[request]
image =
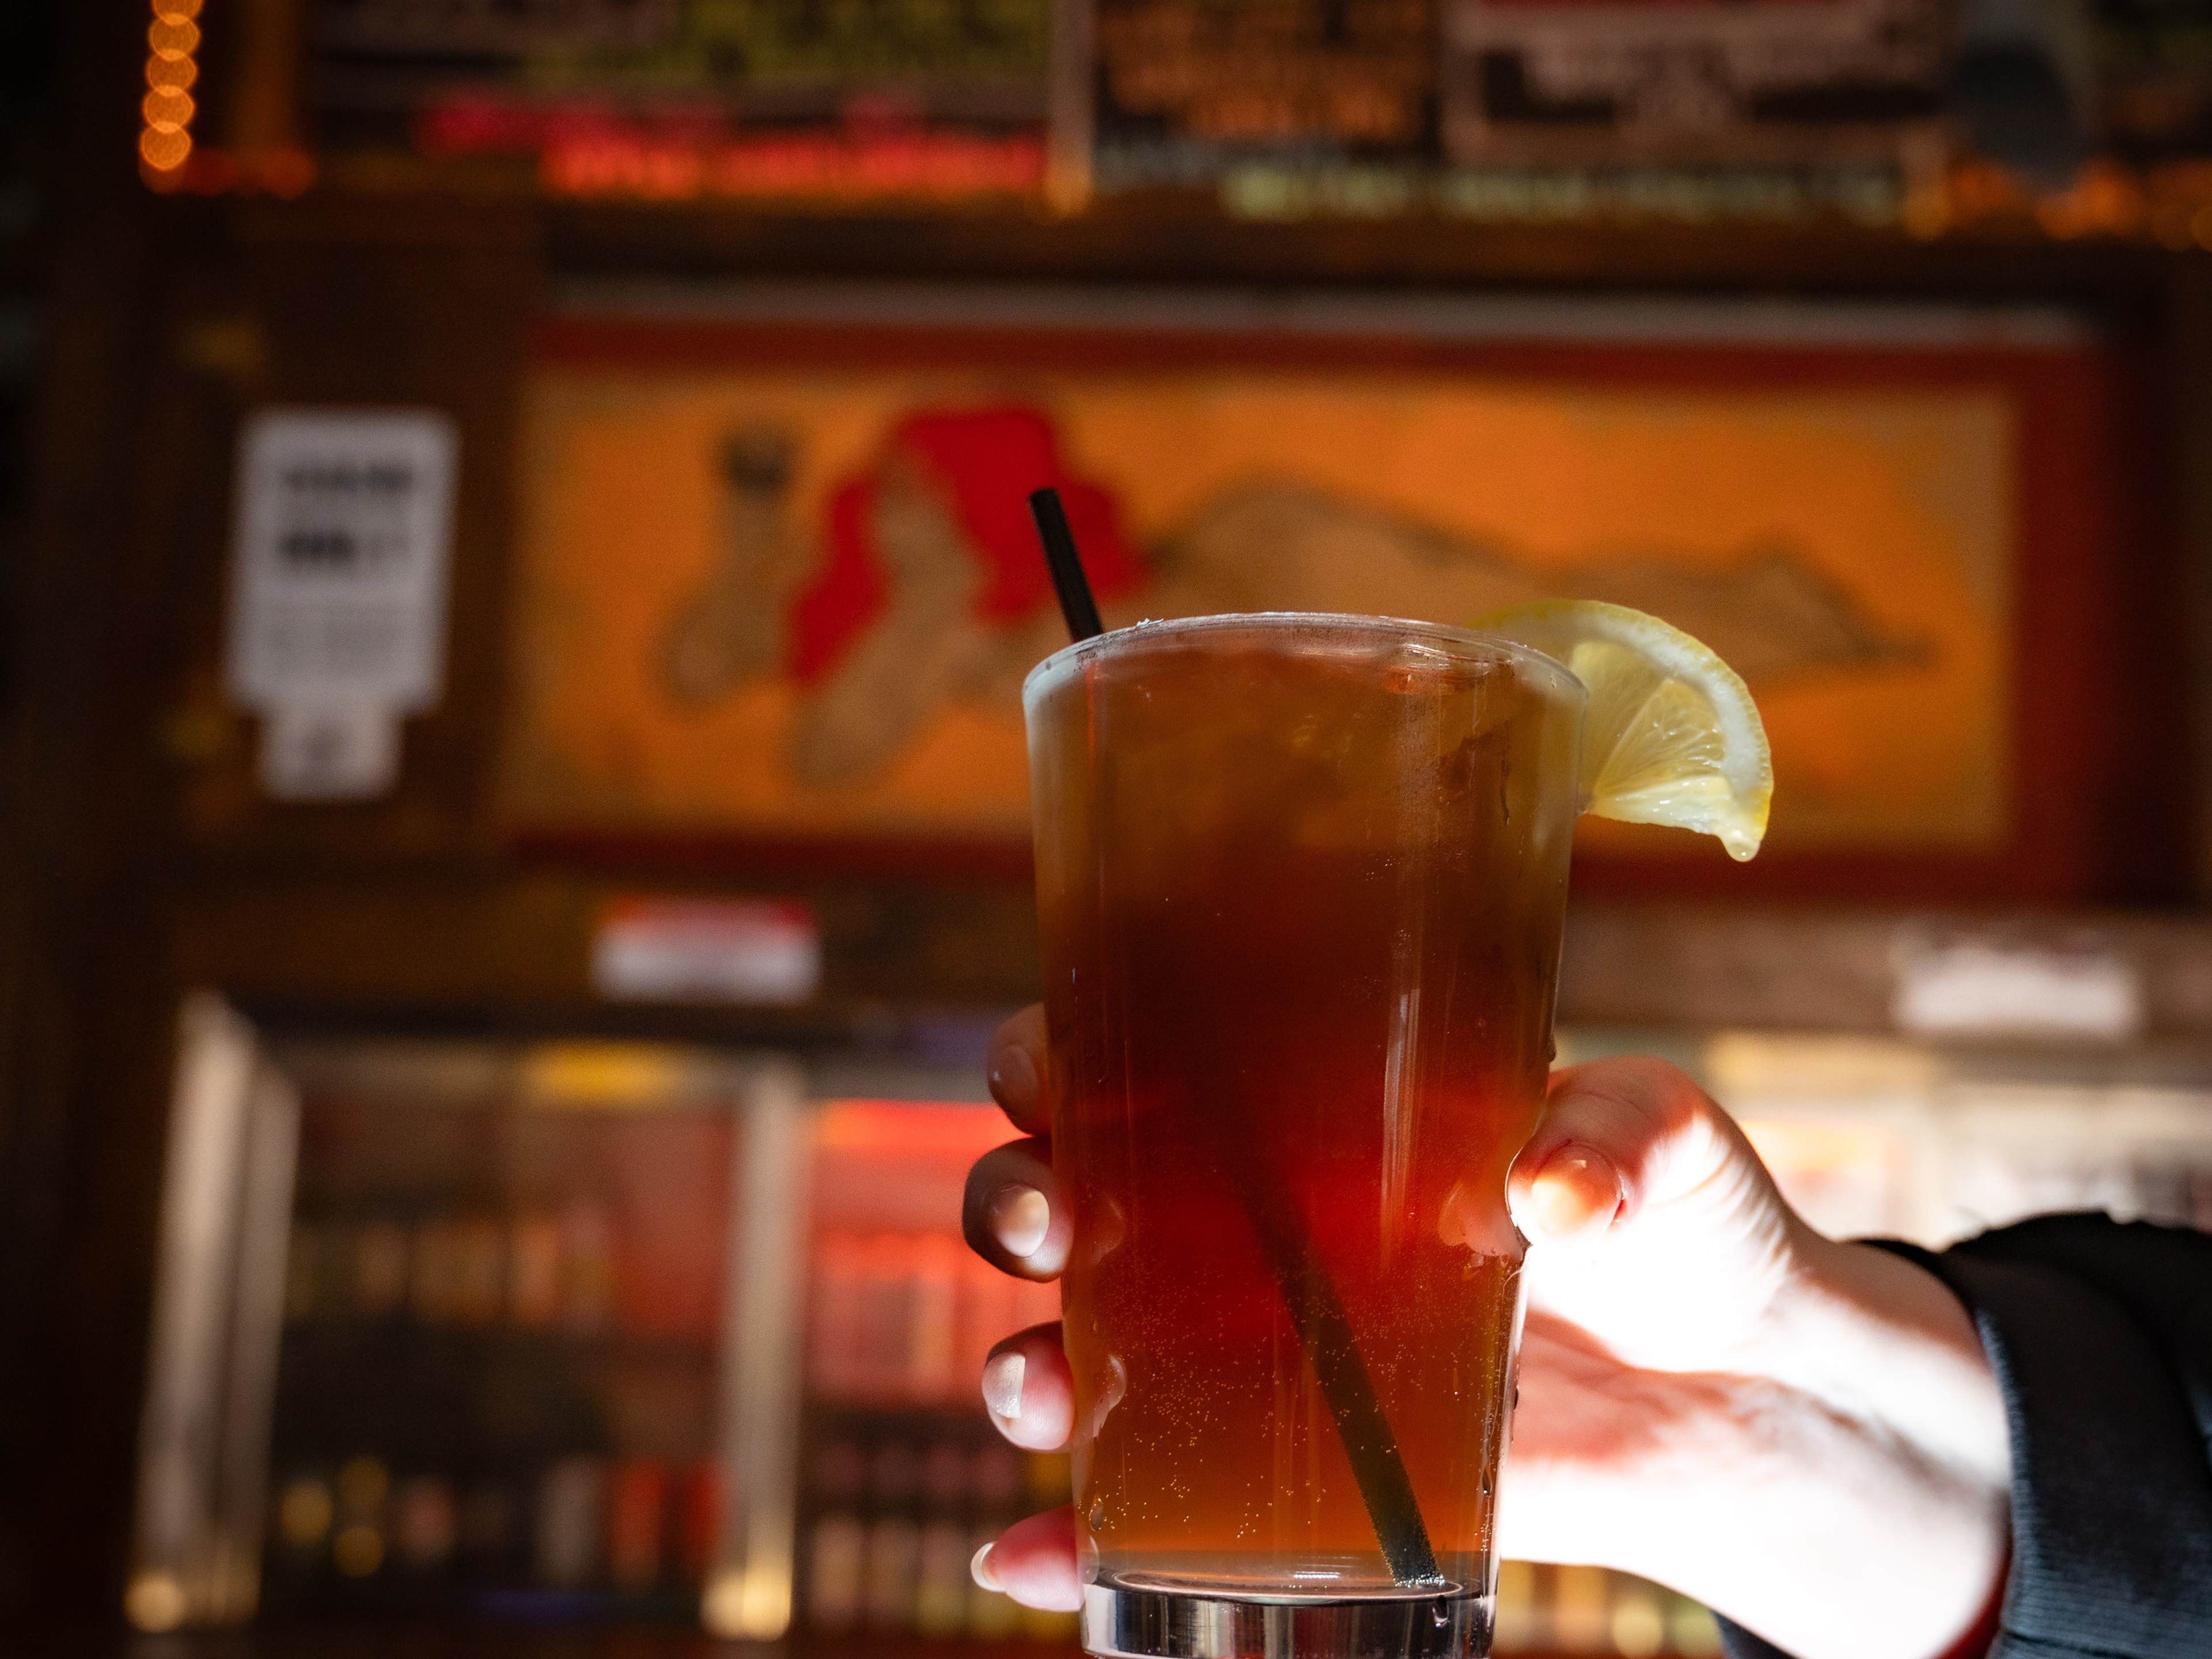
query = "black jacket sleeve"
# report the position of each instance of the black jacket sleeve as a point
(2100, 1336)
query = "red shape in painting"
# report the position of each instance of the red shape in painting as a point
(982, 465)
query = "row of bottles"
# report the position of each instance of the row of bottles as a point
(905, 1319)
(362, 1531)
(549, 1269)
(896, 1511)
(498, 1404)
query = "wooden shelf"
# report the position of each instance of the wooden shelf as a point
(304, 952)
(1140, 240)
(1184, 238)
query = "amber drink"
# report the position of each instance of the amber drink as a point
(1301, 881)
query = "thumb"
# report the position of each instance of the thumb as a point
(1653, 1226)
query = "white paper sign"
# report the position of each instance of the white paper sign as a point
(338, 622)
(1968, 988)
(739, 950)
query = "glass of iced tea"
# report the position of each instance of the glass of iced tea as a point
(1301, 881)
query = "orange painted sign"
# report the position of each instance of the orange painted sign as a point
(795, 600)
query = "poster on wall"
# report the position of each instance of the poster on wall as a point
(697, 98)
(1555, 83)
(781, 586)
(1184, 90)
(338, 579)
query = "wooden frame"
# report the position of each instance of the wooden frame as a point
(2089, 559)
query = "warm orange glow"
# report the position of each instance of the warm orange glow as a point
(170, 161)
(178, 38)
(165, 143)
(2106, 200)
(606, 1074)
(1982, 190)
(154, 1602)
(174, 74)
(164, 151)
(615, 162)
(906, 1128)
(165, 111)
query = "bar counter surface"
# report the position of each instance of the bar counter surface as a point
(488, 1641)
(458, 1641)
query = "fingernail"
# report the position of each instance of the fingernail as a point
(1002, 1385)
(979, 1569)
(1013, 1076)
(1575, 1196)
(1020, 1218)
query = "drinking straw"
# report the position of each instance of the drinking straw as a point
(1065, 564)
(1323, 1327)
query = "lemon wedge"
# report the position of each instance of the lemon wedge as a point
(1671, 735)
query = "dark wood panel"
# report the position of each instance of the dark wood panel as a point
(429, 311)
(448, 941)
(1181, 239)
(85, 1000)
(1175, 239)
(515, 951)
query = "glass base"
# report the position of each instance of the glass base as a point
(1121, 1621)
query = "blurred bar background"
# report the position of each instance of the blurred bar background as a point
(514, 809)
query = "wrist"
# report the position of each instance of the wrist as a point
(1822, 1528)
(1876, 1336)
(1877, 1342)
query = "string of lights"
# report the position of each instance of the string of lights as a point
(173, 41)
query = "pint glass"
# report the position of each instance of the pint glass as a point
(1301, 881)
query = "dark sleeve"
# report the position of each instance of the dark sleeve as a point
(2100, 1336)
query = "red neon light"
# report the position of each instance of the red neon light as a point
(590, 149)
(835, 165)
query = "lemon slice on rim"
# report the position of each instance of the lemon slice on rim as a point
(1671, 735)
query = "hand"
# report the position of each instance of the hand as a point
(1802, 1434)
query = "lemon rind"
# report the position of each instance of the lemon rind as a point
(1745, 767)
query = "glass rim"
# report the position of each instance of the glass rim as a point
(1268, 621)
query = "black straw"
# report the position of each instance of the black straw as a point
(1065, 564)
(1317, 1313)
(1325, 1332)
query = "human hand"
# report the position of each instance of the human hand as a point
(1802, 1433)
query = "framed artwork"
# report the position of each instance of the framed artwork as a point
(778, 585)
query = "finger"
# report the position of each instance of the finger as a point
(1615, 1136)
(1034, 1561)
(1028, 1389)
(1652, 1224)
(1012, 1213)
(1016, 1071)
